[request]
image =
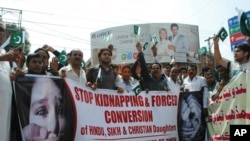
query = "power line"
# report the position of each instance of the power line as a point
(200, 9)
(53, 35)
(57, 31)
(74, 37)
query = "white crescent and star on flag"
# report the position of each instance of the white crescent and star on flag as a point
(247, 24)
(137, 90)
(63, 58)
(223, 34)
(17, 39)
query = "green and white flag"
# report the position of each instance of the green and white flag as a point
(137, 30)
(145, 46)
(17, 39)
(108, 37)
(137, 88)
(62, 58)
(172, 60)
(244, 23)
(203, 51)
(14, 40)
(83, 64)
(153, 39)
(222, 34)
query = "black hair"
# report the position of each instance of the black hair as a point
(244, 48)
(192, 66)
(157, 64)
(183, 68)
(73, 50)
(174, 25)
(205, 69)
(126, 66)
(220, 66)
(111, 47)
(104, 49)
(33, 55)
(210, 73)
(42, 49)
(167, 65)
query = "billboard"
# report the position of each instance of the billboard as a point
(180, 42)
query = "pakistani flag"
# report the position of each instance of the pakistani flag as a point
(83, 64)
(17, 39)
(136, 30)
(153, 39)
(108, 37)
(172, 60)
(203, 51)
(222, 34)
(137, 88)
(145, 46)
(244, 24)
(62, 58)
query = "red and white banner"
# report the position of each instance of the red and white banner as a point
(52, 108)
(108, 115)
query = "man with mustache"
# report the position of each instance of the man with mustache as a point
(153, 81)
(193, 127)
(74, 70)
(104, 76)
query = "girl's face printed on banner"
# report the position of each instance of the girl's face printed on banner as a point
(46, 108)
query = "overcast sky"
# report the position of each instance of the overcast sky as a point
(67, 24)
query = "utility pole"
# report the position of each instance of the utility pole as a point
(209, 47)
(209, 56)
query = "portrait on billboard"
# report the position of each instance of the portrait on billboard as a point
(173, 41)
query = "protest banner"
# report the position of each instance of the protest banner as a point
(44, 108)
(191, 121)
(62, 109)
(230, 108)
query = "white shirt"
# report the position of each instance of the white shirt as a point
(235, 70)
(196, 84)
(5, 100)
(173, 86)
(127, 87)
(163, 50)
(72, 75)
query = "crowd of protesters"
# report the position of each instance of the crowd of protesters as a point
(121, 77)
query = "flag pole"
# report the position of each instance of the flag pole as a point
(23, 39)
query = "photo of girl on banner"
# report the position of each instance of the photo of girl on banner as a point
(44, 108)
(190, 119)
